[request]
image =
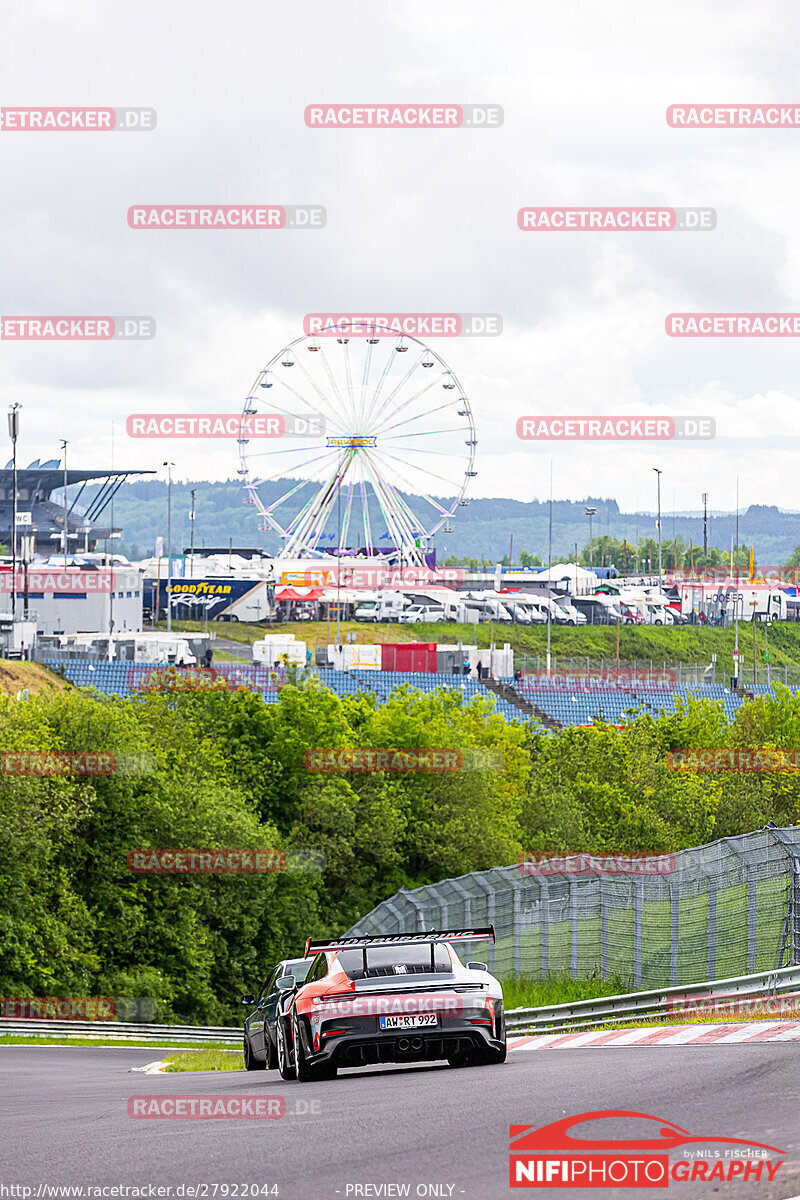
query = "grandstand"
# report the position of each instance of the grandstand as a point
(564, 701)
(36, 486)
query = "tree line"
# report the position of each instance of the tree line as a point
(227, 770)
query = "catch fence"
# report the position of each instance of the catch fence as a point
(649, 670)
(728, 908)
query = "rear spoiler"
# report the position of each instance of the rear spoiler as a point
(364, 941)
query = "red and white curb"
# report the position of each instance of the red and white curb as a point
(154, 1068)
(665, 1035)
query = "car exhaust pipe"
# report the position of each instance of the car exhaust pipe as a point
(416, 1043)
(403, 1044)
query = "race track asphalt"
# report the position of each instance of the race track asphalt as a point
(442, 1132)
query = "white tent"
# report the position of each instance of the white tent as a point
(581, 582)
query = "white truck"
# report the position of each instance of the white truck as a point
(745, 601)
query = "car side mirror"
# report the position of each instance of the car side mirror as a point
(286, 983)
(476, 966)
(248, 999)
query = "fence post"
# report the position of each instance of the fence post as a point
(423, 914)
(490, 909)
(791, 929)
(517, 919)
(751, 919)
(673, 940)
(573, 929)
(603, 929)
(544, 907)
(712, 927)
(638, 904)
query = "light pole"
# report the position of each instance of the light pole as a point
(550, 566)
(64, 536)
(658, 522)
(191, 542)
(591, 512)
(169, 466)
(13, 432)
(27, 549)
(705, 523)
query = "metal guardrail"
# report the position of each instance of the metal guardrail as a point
(635, 1006)
(120, 1031)
(582, 1014)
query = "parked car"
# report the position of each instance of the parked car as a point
(419, 613)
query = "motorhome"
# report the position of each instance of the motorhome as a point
(488, 608)
(572, 615)
(383, 606)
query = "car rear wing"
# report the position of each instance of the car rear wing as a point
(365, 941)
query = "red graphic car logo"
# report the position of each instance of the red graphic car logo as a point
(552, 1157)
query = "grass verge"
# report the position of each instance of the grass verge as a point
(519, 992)
(205, 1060)
(23, 1039)
(685, 644)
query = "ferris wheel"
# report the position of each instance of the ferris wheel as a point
(390, 461)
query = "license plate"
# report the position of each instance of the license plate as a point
(416, 1022)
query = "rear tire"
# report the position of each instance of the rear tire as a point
(251, 1063)
(304, 1071)
(491, 1057)
(285, 1067)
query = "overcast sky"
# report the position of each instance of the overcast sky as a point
(417, 221)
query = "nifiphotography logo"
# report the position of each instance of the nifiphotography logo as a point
(661, 1154)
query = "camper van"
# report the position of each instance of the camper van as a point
(488, 608)
(384, 606)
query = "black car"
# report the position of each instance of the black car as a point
(260, 1045)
